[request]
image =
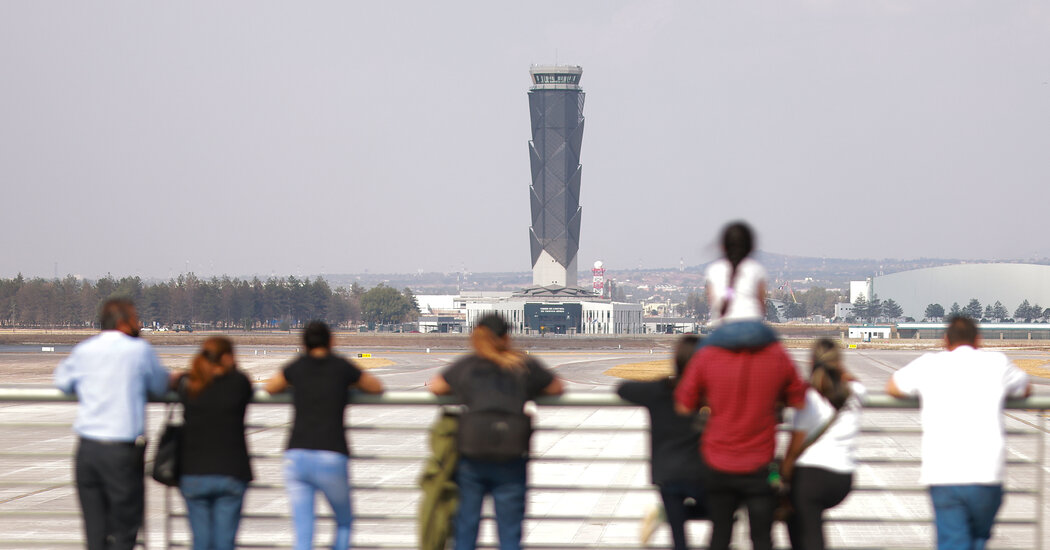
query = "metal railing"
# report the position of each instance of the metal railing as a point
(588, 476)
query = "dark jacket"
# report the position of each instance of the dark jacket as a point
(674, 439)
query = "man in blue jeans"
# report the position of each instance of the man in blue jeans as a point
(962, 391)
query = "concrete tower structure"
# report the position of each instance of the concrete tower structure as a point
(556, 109)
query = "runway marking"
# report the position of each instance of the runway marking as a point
(1034, 367)
(645, 371)
(367, 363)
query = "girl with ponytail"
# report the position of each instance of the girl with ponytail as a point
(820, 461)
(736, 293)
(214, 454)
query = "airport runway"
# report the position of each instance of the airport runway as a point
(606, 445)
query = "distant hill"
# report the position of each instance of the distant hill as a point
(802, 272)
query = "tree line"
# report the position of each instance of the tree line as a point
(189, 301)
(875, 308)
(997, 312)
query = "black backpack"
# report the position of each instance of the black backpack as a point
(491, 431)
(494, 436)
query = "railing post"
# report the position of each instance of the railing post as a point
(1040, 478)
(167, 518)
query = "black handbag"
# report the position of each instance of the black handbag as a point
(169, 447)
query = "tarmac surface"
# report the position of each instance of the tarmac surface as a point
(601, 449)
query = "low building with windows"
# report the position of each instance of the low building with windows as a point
(560, 310)
(670, 325)
(988, 331)
(870, 332)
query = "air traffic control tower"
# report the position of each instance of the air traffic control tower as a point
(556, 108)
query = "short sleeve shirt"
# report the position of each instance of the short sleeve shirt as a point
(319, 393)
(835, 449)
(484, 385)
(742, 389)
(961, 394)
(744, 301)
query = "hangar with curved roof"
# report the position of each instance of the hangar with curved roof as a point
(1010, 284)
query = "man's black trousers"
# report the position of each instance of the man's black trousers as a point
(110, 487)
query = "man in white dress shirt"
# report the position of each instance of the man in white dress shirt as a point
(111, 374)
(962, 391)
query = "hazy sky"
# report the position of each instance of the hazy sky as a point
(336, 137)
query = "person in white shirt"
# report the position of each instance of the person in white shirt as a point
(962, 391)
(820, 460)
(736, 294)
(112, 374)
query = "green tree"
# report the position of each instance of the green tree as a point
(385, 305)
(934, 311)
(955, 311)
(892, 309)
(973, 309)
(999, 311)
(988, 312)
(411, 298)
(1024, 311)
(795, 311)
(813, 301)
(771, 312)
(874, 308)
(860, 307)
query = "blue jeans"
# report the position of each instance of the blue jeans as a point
(506, 482)
(213, 506)
(964, 514)
(734, 335)
(307, 471)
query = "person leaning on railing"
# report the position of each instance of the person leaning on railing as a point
(821, 457)
(214, 465)
(961, 393)
(494, 383)
(674, 451)
(318, 456)
(111, 374)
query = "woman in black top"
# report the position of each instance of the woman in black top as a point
(495, 380)
(317, 457)
(674, 452)
(214, 454)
